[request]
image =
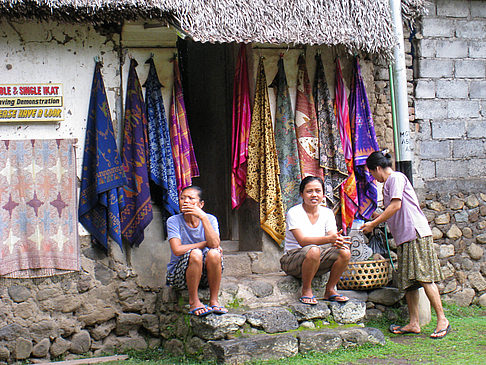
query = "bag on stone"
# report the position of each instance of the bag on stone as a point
(377, 242)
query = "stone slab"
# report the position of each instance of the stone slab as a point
(304, 312)
(272, 319)
(353, 311)
(319, 341)
(216, 327)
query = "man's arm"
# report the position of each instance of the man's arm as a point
(212, 237)
(390, 210)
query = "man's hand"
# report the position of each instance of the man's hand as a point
(192, 209)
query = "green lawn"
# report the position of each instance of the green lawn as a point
(465, 344)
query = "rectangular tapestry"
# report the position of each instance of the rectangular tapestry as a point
(38, 213)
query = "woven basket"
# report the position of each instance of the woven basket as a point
(363, 275)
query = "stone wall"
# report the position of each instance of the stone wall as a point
(450, 96)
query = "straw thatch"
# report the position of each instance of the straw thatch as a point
(362, 25)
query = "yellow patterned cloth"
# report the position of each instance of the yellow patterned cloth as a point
(262, 182)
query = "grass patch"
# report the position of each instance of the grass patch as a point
(465, 344)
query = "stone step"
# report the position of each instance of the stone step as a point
(266, 347)
(230, 246)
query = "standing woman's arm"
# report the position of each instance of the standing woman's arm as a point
(390, 210)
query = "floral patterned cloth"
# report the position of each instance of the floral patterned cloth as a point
(262, 182)
(306, 123)
(331, 155)
(286, 141)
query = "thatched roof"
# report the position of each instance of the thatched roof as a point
(363, 25)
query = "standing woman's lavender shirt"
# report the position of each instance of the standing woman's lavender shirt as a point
(409, 220)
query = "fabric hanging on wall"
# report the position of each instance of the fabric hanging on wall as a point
(364, 142)
(349, 195)
(286, 140)
(262, 182)
(137, 213)
(241, 129)
(38, 220)
(306, 123)
(102, 176)
(331, 155)
(162, 170)
(185, 163)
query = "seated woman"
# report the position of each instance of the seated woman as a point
(312, 243)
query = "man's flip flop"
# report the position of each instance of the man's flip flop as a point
(441, 333)
(398, 330)
(205, 313)
(217, 309)
(308, 300)
(337, 298)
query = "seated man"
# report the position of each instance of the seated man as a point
(196, 258)
(312, 243)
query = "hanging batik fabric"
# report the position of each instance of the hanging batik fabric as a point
(365, 143)
(331, 155)
(262, 182)
(161, 161)
(306, 125)
(38, 223)
(137, 213)
(185, 163)
(286, 141)
(241, 130)
(349, 195)
(102, 176)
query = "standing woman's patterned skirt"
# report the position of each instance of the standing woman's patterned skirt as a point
(418, 262)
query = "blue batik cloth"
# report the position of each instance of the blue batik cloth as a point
(365, 143)
(100, 199)
(161, 161)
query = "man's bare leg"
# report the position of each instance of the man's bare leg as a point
(213, 267)
(193, 277)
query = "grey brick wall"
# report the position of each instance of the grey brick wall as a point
(450, 94)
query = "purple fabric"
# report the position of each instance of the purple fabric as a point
(409, 219)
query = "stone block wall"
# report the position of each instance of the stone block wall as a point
(450, 97)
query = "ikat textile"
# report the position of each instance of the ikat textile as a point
(102, 176)
(365, 143)
(306, 125)
(349, 195)
(162, 170)
(331, 155)
(137, 213)
(262, 182)
(286, 141)
(185, 163)
(38, 222)
(241, 129)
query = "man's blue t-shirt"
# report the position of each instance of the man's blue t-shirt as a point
(177, 228)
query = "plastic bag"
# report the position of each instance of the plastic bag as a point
(377, 242)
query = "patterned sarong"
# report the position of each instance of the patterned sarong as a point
(241, 130)
(161, 161)
(101, 197)
(365, 143)
(137, 213)
(306, 123)
(286, 141)
(185, 163)
(349, 195)
(331, 155)
(38, 222)
(262, 182)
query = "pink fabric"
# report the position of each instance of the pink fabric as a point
(241, 130)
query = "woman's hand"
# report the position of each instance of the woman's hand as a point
(342, 242)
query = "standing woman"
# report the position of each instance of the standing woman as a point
(418, 265)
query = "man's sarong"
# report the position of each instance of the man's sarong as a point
(331, 155)
(241, 130)
(185, 163)
(102, 176)
(137, 213)
(262, 182)
(349, 195)
(365, 143)
(306, 123)
(286, 141)
(161, 161)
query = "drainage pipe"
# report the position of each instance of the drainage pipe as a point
(404, 163)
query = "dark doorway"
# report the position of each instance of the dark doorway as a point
(207, 76)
